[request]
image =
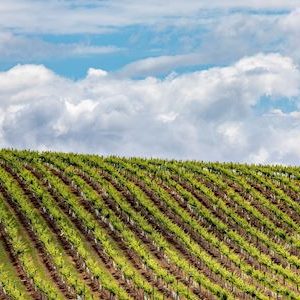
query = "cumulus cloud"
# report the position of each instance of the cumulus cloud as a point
(207, 115)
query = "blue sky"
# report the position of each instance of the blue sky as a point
(173, 79)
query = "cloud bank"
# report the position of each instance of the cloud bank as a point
(94, 16)
(213, 114)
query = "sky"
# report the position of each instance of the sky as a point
(193, 79)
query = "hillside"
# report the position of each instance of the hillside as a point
(88, 227)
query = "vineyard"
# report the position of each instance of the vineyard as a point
(90, 227)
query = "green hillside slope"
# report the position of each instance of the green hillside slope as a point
(88, 227)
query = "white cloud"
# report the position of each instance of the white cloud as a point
(237, 34)
(223, 39)
(27, 16)
(206, 32)
(232, 133)
(206, 115)
(96, 73)
(21, 48)
(260, 156)
(169, 117)
(291, 21)
(161, 64)
(81, 49)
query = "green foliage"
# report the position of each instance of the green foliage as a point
(166, 229)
